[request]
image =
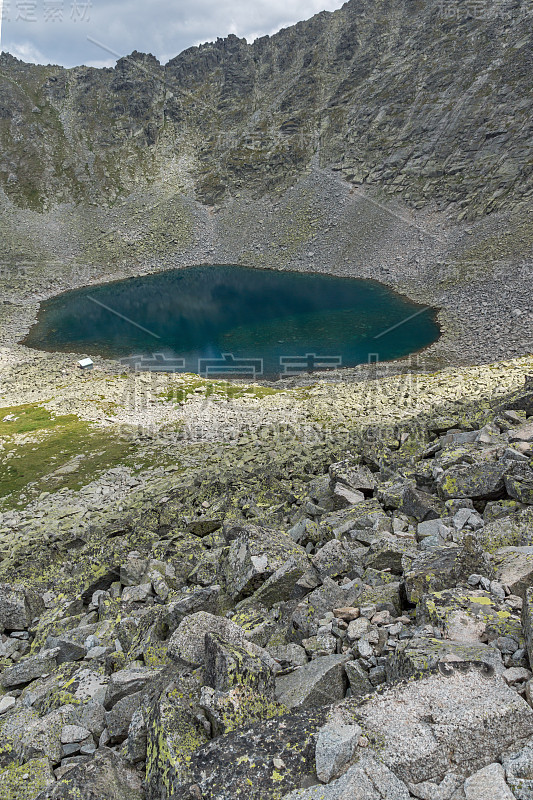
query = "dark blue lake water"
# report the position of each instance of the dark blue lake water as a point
(227, 320)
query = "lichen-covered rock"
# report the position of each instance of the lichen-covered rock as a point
(107, 776)
(520, 488)
(26, 781)
(476, 481)
(320, 682)
(469, 615)
(514, 529)
(417, 656)
(237, 708)
(174, 733)
(442, 568)
(228, 665)
(255, 553)
(18, 607)
(263, 761)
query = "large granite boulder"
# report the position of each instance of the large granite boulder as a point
(107, 776)
(18, 607)
(255, 553)
(320, 682)
(443, 568)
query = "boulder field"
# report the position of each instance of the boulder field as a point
(367, 638)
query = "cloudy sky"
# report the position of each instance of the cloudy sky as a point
(60, 31)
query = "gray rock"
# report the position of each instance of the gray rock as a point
(431, 528)
(306, 616)
(459, 718)
(18, 607)
(354, 476)
(335, 748)
(280, 586)
(187, 643)
(444, 790)
(136, 744)
(126, 682)
(414, 657)
(387, 552)
(90, 715)
(527, 623)
(7, 703)
(319, 682)
(288, 655)
(518, 768)
(255, 553)
(68, 649)
(137, 594)
(30, 668)
(73, 733)
(420, 505)
(119, 718)
(336, 559)
(190, 602)
(488, 782)
(369, 779)
(133, 571)
(229, 665)
(107, 776)
(344, 497)
(42, 737)
(359, 681)
(514, 568)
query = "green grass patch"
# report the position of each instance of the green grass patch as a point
(28, 468)
(216, 390)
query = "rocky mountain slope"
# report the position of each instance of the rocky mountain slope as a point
(385, 140)
(284, 624)
(319, 590)
(425, 100)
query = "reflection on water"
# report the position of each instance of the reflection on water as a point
(236, 320)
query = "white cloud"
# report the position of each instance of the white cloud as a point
(162, 27)
(26, 51)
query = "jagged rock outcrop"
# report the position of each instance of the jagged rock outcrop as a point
(425, 101)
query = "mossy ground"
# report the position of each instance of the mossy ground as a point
(191, 385)
(36, 446)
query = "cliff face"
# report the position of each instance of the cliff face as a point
(424, 100)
